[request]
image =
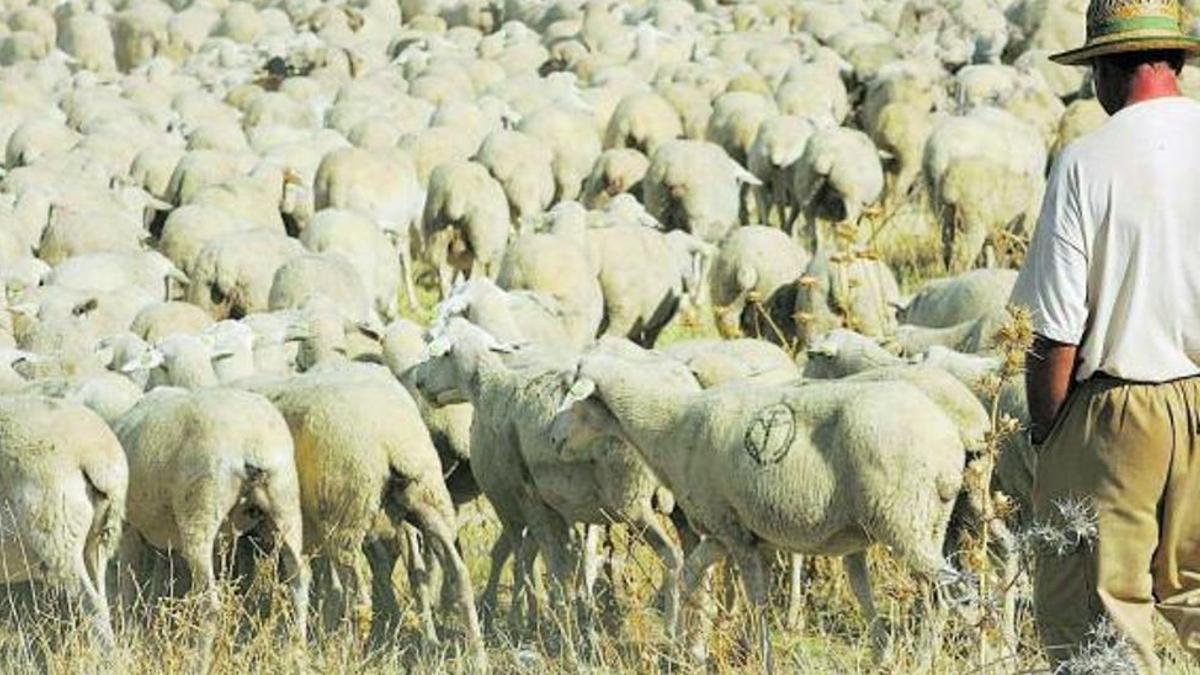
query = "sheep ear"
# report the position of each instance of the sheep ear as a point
(222, 355)
(147, 360)
(441, 346)
(504, 347)
(179, 276)
(745, 177)
(104, 354)
(28, 310)
(582, 390)
(370, 328)
(826, 350)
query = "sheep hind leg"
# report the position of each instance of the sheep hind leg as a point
(440, 536)
(406, 278)
(282, 507)
(795, 609)
(697, 593)
(95, 606)
(500, 553)
(660, 540)
(855, 565)
(753, 568)
(197, 552)
(352, 569)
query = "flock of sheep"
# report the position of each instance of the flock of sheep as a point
(214, 214)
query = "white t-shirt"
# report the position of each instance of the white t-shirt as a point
(1114, 266)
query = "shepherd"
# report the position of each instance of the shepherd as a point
(1112, 281)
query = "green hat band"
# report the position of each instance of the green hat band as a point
(1139, 23)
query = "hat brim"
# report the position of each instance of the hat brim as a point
(1083, 55)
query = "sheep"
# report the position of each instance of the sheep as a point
(691, 104)
(61, 454)
(187, 230)
(139, 32)
(159, 320)
(642, 121)
(206, 462)
(735, 121)
(942, 303)
(696, 187)
(109, 271)
(523, 167)
(557, 267)
(201, 168)
(984, 177)
(779, 143)
(71, 230)
(1017, 458)
(754, 269)
(744, 446)
(466, 222)
(510, 316)
(404, 347)
(644, 278)
(572, 140)
(718, 362)
(594, 481)
(328, 275)
(430, 148)
(85, 36)
(232, 275)
(1081, 118)
(615, 172)
(972, 336)
(842, 353)
(384, 186)
(836, 179)
(850, 290)
(366, 246)
(815, 91)
(361, 452)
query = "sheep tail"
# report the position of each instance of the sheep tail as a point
(108, 518)
(255, 475)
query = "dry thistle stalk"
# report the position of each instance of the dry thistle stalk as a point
(989, 511)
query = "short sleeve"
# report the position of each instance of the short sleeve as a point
(1053, 282)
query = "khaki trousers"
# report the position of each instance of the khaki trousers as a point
(1133, 452)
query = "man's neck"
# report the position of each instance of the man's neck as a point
(1152, 83)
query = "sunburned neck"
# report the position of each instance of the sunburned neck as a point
(1152, 83)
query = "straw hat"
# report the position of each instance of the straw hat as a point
(1118, 26)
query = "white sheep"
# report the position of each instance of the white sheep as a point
(754, 440)
(232, 274)
(642, 121)
(466, 222)
(779, 143)
(646, 277)
(523, 166)
(362, 452)
(755, 266)
(367, 247)
(696, 187)
(593, 481)
(942, 303)
(557, 267)
(836, 179)
(615, 172)
(205, 462)
(572, 139)
(63, 455)
(328, 275)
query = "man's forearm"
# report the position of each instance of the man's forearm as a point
(1049, 372)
